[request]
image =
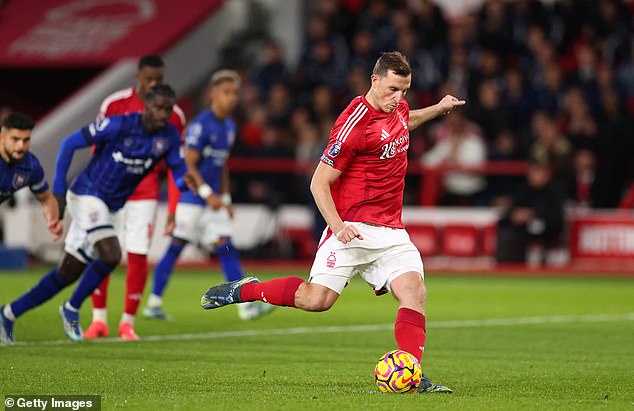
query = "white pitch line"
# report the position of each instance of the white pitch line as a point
(491, 322)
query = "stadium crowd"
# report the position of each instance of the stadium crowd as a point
(548, 82)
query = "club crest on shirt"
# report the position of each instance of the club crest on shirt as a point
(159, 146)
(402, 120)
(128, 141)
(19, 180)
(335, 149)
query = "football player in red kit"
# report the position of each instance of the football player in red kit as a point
(358, 187)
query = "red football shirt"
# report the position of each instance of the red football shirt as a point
(369, 147)
(124, 102)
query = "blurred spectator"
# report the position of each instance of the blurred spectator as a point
(431, 24)
(580, 128)
(272, 71)
(551, 147)
(549, 93)
(459, 72)
(250, 131)
(535, 214)
(458, 143)
(517, 99)
(323, 67)
(323, 104)
(268, 188)
(581, 190)
(500, 187)
(363, 54)
(615, 150)
(495, 27)
(488, 111)
(376, 20)
(426, 76)
(523, 15)
(279, 105)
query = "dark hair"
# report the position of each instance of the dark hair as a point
(18, 121)
(151, 60)
(160, 90)
(394, 61)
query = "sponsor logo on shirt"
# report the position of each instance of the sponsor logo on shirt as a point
(395, 147)
(209, 151)
(134, 165)
(335, 149)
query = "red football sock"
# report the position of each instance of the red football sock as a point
(100, 295)
(135, 282)
(409, 331)
(280, 291)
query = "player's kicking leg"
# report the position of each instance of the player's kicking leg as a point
(232, 270)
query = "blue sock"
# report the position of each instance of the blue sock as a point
(93, 275)
(229, 262)
(43, 291)
(165, 267)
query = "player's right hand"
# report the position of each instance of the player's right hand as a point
(190, 182)
(348, 233)
(56, 228)
(61, 204)
(214, 202)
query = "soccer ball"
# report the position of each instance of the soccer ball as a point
(398, 372)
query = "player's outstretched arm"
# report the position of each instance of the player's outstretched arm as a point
(445, 106)
(192, 157)
(323, 177)
(64, 158)
(51, 213)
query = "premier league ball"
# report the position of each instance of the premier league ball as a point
(398, 372)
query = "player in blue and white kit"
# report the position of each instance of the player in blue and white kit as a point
(126, 149)
(19, 168)
(205, 217)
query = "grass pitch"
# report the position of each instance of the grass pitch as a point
(500, 343)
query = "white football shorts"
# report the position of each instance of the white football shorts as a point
(135, 225)
(201, 225)
(383, 254)
(92, 221)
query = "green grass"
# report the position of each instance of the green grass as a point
(571, 364)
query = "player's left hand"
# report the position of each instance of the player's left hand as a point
(56, 228)
(448, 103)
(170, 224)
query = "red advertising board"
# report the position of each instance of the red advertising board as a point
(93, 33)
(602, 236)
